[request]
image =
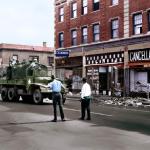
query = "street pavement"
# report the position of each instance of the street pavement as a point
(28, 127)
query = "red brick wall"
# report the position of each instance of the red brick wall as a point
(139, 6)
(103, 15)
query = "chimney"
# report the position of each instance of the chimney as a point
(44, 44)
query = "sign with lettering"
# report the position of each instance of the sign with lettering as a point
(139, 55)
(108, 58)
(61, 53)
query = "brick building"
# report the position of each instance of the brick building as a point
(42, 54)
(108, 41)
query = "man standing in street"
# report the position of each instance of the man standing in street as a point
(56, 86)
(85, 100)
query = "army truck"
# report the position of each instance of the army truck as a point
(27, 80)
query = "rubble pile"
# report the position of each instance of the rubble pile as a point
(126, 101)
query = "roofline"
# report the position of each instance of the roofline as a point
(26, 47)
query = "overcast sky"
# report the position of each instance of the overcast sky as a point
(28, 22)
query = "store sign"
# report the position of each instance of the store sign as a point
(60, 53)
(139, 55)
(93, 71)
(108, 58)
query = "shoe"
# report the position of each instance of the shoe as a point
(54, 120)
(88, 118)
(63, 120)
(81, 118)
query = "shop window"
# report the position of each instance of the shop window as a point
(84, 7)
(114, 2)
(148, 15)
(96, 32)
(74, 37)
(61, 39)
(95, 5)
(137, 24)
(84, 35)
(61, 14)
(74, 10)
(115, 28)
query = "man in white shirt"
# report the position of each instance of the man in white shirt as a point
(85, 100)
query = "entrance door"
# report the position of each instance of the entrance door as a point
(102, 82)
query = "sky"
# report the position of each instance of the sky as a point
(27, 22)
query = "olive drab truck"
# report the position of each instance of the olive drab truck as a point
(27, 80)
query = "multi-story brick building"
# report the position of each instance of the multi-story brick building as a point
(108, 41)
(42, 54)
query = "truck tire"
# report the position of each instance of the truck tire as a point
(4, 94)
(37, 97)
(12, 95)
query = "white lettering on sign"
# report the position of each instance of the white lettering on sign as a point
(139, 55)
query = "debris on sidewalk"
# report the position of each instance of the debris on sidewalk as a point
(125, 101)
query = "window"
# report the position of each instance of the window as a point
(74, 10)
(114, 2)
(61, 14)
(74, 37)
(61, 39)
(84, 7)
(84, 35)
(96, 32)
(15, 57)
(148, 15)
(137, 24)
(115, 28)
(34, 58)
(95, 5)
(50, 60)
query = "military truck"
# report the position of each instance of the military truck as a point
(27, 80)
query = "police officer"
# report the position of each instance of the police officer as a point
(56, 86)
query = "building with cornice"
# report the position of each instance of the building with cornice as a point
(17, 52)
(108, 41)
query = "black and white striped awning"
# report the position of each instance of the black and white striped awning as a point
(108, 58)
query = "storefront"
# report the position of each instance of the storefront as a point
(105, 71)
(139, 66)
(70, 70)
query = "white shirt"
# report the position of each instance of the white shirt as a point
(86, 90)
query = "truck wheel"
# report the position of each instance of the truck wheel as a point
(4, 94)
(12, 95)
(37, 97)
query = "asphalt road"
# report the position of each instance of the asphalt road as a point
(28, 127)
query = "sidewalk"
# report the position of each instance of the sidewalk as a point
(121, 102)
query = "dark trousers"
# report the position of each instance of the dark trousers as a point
(85, 106)
(57, 100)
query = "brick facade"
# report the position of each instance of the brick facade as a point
(126, 41)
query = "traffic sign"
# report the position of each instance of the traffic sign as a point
(61, 53)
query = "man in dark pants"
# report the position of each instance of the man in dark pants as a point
(85, 100)
(56, 86)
